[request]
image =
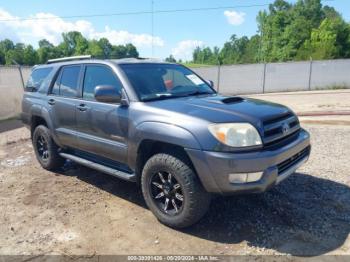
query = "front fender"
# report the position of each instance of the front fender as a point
(161, 132)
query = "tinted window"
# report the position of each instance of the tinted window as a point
(96, 75)
(37, 77)
(69, 82)
(151, 81)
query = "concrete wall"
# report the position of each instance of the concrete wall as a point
(241, 79)
(330, 73)
(11, 90)
(228, 79)
(278, 77)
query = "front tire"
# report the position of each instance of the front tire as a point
(46, 150)
(173, 192)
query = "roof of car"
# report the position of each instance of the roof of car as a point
(137, 60)
(105, 61)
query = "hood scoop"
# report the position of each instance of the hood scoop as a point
(224, 99)
(232, 100)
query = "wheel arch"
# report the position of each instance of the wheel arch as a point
(41, 116)
(150, 138)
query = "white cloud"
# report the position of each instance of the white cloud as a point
(124, 37)
(234, 18)
(50, 27)
(184, 49)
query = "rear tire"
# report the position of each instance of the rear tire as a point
(187, 199)
(45, 149)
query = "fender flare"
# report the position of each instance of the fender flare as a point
(41, 111)
(160, 132)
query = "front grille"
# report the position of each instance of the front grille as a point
(285, 165)
(279, 128)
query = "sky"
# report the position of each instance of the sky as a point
(176, 33)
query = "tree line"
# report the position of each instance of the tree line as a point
(300, 31)
(286, 32)
(74, 43)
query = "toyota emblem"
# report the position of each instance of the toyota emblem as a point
(285, 128)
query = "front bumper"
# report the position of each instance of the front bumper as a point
(213, 168)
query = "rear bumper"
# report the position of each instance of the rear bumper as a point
(214, 168)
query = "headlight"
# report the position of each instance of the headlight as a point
(236, 134)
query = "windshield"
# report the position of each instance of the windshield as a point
(163, 81)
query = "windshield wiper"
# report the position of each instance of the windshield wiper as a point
(31, 88)
(162, 96)
(158, 97)
(197, 92)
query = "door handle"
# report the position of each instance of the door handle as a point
(82, 107)
(51, 101)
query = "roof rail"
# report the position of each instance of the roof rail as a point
(69, 58)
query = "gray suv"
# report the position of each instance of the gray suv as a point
(162, 126)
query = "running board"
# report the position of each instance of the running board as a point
(104, 169)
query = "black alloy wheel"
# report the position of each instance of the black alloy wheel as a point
(166, 193)
(42, 146)
(173, 191)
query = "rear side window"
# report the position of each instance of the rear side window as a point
(67, 84)
(37, 78)
(96, 75)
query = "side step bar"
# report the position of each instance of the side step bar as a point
(99, 167)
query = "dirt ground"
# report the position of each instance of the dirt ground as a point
(79, 211)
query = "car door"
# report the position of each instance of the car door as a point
(102, 127)
(63, 101)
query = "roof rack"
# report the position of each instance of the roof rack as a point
(69, 58)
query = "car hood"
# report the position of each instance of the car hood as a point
(222, 109)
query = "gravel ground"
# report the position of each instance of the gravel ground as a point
(79, 211)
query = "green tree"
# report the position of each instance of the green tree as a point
(2, 58)
(131, 51)
(46, 51)
(252, 50)
(206, 55)
(95, 49)
(73, 44)
(106, 47)
(15, 55)
(6, 45)
(330, 40)
(234, 50)
(118, 51)
(30, 56)
(330, 12)
(121, 51)
(170, 59)
(286, 27)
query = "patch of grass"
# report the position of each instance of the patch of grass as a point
(17, 117)
(333, 87)
(193, 65)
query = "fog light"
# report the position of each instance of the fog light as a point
(252, 177)
(237, 178)
(240, 178)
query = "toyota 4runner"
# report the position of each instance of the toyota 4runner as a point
(162, 126)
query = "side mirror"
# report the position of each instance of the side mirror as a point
(210, 82)
(107, 94)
